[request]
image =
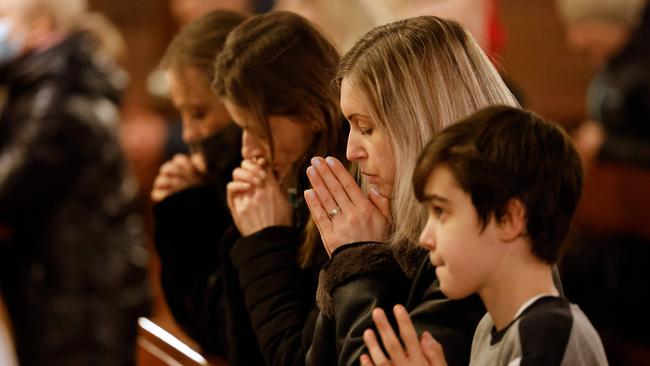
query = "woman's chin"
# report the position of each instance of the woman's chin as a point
(386, 192)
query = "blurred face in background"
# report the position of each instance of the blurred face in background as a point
(600, 40)
(13, 29)
(202, 113)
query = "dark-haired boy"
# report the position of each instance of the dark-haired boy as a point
(501, 187)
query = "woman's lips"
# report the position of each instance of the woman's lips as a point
(372, 178)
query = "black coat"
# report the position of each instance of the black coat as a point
(619, 98)
(358, 278)
(363, 276)
(193, 236)
(73, 274)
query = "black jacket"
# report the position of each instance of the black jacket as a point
(73, 274)
(279, 295)
(363, 276)
(358, 278)
(190, 226)
(619, 98)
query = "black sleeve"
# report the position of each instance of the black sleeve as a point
(279, 295)
(378, 281)
(44, 158)
(188, 228)
(358, 278)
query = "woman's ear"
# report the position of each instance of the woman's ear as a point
(513, 222)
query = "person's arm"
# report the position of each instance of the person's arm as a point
(279, 295)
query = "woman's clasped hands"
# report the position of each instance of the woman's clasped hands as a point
(341, 211)
(255, 198)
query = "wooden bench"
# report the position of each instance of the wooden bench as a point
(158, 347)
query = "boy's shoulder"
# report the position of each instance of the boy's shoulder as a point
(551, 331)
(555, 331)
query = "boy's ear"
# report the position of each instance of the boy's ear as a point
(513, 223)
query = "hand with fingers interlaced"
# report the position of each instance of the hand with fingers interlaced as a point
(425, 351)
(180, 173)
(341, 211)
(256, 200)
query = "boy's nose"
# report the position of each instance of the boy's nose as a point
(427, 237)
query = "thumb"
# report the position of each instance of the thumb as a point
(382, 203)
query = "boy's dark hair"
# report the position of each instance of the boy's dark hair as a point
(501, 153)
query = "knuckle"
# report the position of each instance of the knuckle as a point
(349, 186)
(393, 348)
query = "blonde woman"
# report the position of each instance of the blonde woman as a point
(400, 84)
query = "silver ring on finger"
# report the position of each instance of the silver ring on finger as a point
(333, 212)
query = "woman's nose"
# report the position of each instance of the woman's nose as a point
(250, 147)
(355, 151)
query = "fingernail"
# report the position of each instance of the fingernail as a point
(374, 191)
(311, 171)
(428, 339)
(311, 193)
(329, 160)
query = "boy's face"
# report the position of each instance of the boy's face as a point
(463, 255)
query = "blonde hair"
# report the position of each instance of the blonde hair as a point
(626, 12)
(418, 76)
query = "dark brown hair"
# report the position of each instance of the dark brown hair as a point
(502, 153)
(278, 64)
(199, 42)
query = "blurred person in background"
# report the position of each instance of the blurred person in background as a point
(605, 269)
(615, 35)
(190, 212)
(72, 266)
